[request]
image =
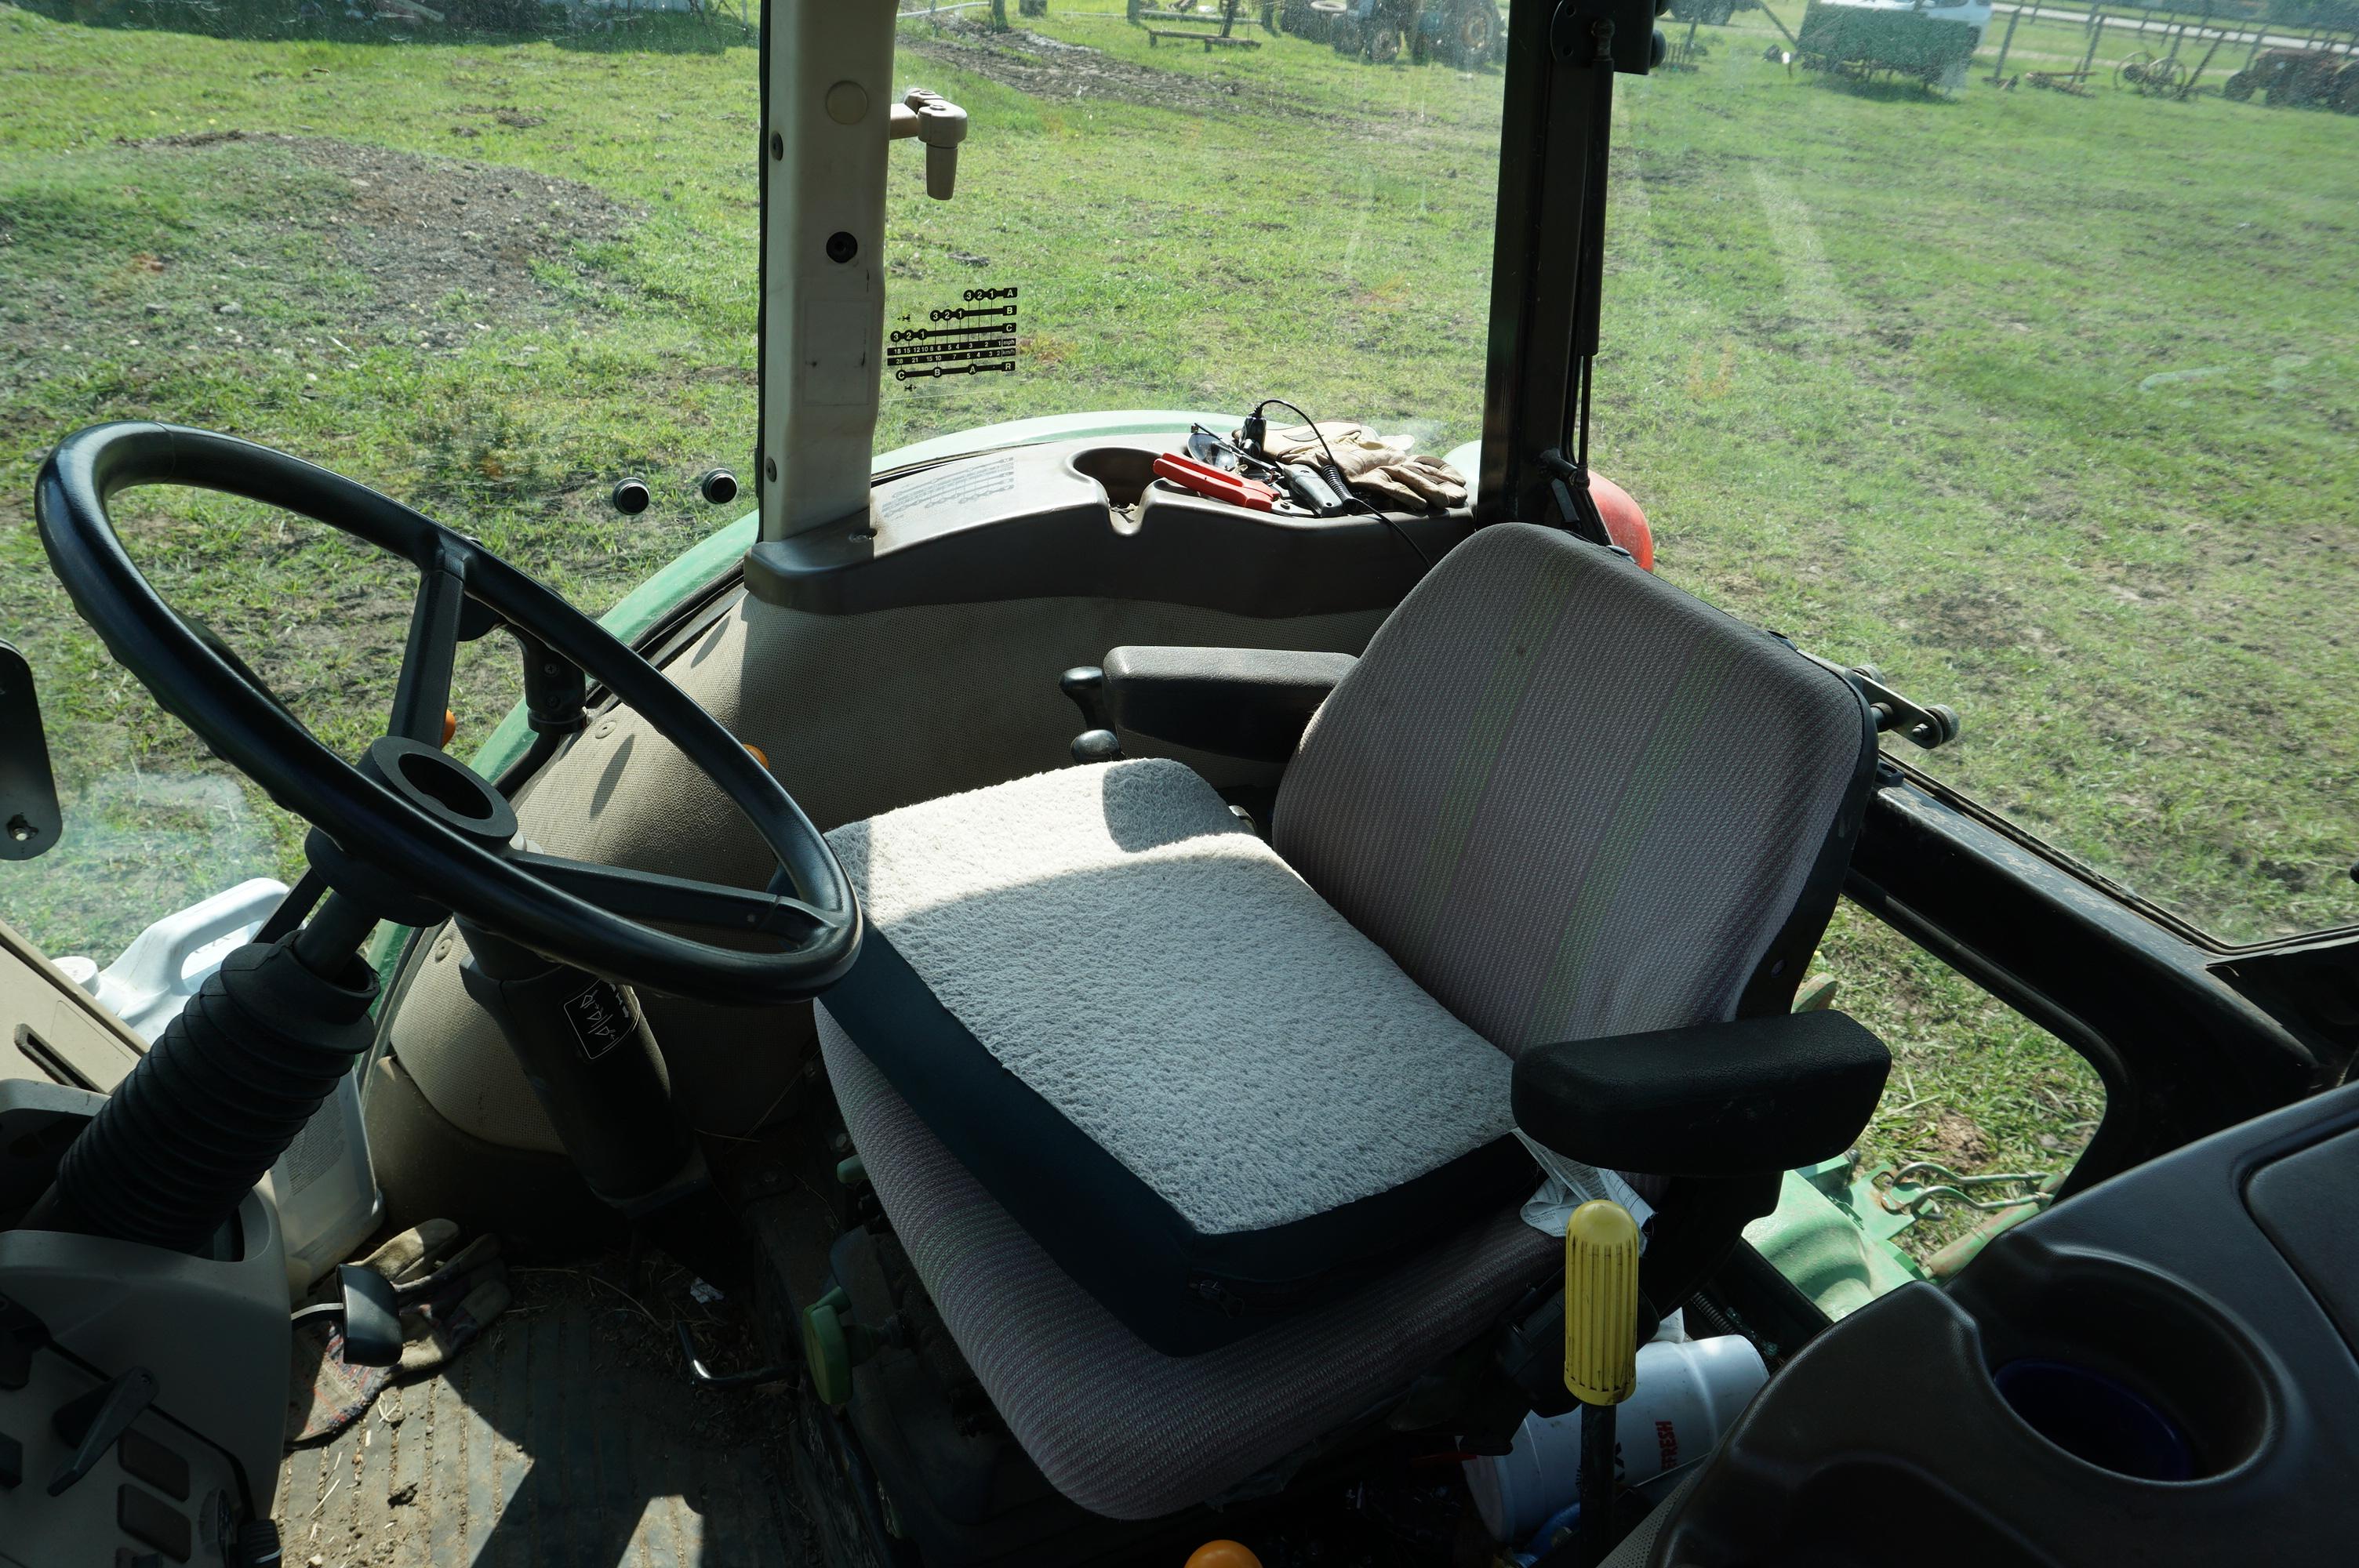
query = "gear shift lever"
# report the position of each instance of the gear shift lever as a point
(1600, 1351)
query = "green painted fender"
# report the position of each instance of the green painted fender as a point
(1824, 1246)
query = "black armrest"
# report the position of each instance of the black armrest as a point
(1719, 1100)
(1236, 702)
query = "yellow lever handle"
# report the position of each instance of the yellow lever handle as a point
(1600, 1303)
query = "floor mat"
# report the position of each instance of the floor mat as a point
(567, 1436)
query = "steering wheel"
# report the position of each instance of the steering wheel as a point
(408, 820)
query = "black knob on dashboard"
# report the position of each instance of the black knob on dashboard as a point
(718, 486)
(629, 495)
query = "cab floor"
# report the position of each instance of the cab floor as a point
(567, 1436)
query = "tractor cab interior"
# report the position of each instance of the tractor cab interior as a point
(1204, 998)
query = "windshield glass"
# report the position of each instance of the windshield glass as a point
(1199, 225)
(491, 258)
(2035, 390)
(487, 273)
(2007, 352)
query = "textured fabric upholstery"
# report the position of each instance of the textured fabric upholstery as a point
(1568, 798)
(1115, 1426)
(1126, 949)
(1204, 1093)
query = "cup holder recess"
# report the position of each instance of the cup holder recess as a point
(2126, 1370)
(2097, 1419)
(1122, 472)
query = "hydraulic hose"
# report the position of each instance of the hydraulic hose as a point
(216, 1100)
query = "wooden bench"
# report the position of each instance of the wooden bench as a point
(1156, 34)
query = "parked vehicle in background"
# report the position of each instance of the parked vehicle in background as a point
(1932, 42)
(1467, 33)
(2293, 79)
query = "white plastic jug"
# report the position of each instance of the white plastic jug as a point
(1687, 1394)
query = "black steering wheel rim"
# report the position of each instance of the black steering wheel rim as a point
(535, 900)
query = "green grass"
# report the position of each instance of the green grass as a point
(2046, 404)
(2043, 404)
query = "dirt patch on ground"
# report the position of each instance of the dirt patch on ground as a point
(441, 245)
(161, 276)
(1988, 618)
(1058, 71)
(425, 230)
(1955, 1141)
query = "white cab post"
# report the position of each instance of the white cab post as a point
(831, 117)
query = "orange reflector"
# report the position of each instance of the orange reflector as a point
(1223, 1554)
(450, 725)
(759, 755)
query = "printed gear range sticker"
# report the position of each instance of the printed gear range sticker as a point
(976, 337)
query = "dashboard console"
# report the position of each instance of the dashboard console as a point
(2163, 1370)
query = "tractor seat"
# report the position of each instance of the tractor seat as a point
(1203, 1147)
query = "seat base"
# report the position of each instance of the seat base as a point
(1115, 1426)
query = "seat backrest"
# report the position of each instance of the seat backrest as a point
(1572, 800)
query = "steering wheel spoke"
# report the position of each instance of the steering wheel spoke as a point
(678, 900)
(423, 695)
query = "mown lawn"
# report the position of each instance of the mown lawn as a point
(2043, 404)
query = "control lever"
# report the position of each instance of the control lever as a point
(1085, 684)
(1601, 1352)
(94, 1422)
(941, 125)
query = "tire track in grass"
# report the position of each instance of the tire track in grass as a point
(1814, 298)
(1978, 1083)
(1626, 206)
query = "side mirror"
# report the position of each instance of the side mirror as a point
(29, 819)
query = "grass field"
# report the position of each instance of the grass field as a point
(2043, 404)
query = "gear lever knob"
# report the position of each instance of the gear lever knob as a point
(1600, 1351)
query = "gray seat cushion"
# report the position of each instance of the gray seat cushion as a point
(1119, 1428)
(1207, 1093)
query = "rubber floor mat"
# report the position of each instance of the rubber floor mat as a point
(567, 1436)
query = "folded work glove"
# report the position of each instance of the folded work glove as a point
(1383, 471)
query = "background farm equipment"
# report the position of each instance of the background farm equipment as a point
(2293, 79)
(1710, 13)
(1463, 33)
(1195, 21)
(2144, 72)
(1931, 42)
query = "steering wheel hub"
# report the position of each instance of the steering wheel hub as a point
(444, 787)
